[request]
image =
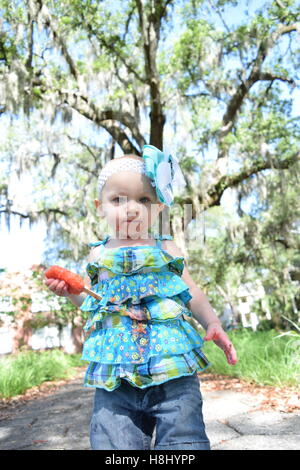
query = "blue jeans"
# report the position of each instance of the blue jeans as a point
(125, 419)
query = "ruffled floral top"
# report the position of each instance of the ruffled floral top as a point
(138, 330)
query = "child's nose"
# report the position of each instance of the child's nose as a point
(132, 207)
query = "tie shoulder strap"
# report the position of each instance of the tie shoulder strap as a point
(160, 238)
(100, 242)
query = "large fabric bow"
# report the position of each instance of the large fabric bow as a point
(164, 171)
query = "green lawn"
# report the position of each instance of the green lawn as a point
(26, 369)
(265, 357)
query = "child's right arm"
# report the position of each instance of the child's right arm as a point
(60, 288)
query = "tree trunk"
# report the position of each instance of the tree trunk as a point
(77, 337)
(22, 331)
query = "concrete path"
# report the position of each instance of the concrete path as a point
(60, 421)
(234, 423)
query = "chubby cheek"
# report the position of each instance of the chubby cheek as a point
(112, 215)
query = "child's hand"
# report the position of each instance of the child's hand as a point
(216, 333)
(58, 287)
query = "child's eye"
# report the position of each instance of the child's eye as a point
(119, 199)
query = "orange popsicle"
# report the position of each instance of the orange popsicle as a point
(74, 281)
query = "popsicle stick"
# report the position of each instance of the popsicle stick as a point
(93, 294)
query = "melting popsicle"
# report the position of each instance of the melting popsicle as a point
(74, 281)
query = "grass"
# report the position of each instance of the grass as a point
(27, 369)
(265, 357)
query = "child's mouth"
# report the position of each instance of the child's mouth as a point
(133, 225)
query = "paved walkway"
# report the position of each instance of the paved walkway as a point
(60, 421)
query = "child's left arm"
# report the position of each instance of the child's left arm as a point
(203, 311)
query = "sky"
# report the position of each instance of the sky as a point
(21, 247)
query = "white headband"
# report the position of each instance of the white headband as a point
(121, 164)
(163, 171)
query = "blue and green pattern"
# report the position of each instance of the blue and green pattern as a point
(158, 370)
(128, 261)
(118, 289)
(138, 330)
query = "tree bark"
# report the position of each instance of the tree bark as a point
(150, 24)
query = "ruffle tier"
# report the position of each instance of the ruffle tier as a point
(130, 261)
(158, 370)
(120, 289)
(137, 342)
(158, 309)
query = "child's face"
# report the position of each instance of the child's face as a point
(129, 203)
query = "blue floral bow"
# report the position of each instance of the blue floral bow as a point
(163, 171)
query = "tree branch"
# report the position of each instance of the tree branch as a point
(127, 120)
(114, 51)
(33, 215)
(82, 103)
(213, 195)
(86, 108)
(271, 77)
(28, 63)
(229, 181)
(86, 146)
(103, 118)
(256, 74)
(150, 25)
(120, 137)
(50, 23)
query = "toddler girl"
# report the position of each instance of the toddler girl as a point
(143, 354)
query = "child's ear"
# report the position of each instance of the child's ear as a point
(98, 206)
